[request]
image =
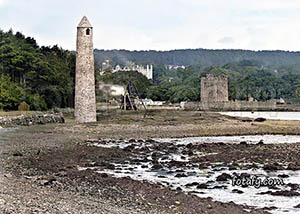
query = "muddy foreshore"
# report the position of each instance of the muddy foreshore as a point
(39, 164)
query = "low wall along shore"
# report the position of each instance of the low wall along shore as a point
(230, 105)
(22, 120)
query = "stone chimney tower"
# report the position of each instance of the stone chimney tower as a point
(85, 99)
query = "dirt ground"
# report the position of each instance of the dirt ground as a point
(39, 164)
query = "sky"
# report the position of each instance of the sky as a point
(159, 24)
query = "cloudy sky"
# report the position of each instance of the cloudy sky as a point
(159, 24)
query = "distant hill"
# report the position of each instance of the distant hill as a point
(200, 57)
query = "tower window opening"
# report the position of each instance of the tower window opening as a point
(88, 31)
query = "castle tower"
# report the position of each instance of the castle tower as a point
(85, 99)
(214, 89)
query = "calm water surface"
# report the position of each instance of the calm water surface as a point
(272, 115)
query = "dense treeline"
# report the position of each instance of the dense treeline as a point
(246, 78)
(200, 57)
(43, 77)
(139, 81)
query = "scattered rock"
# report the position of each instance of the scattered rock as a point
(192, 184)
(287, 193)
(283, 176)
(157, 166)
(261, 142)
(293, 186)
(180, 175)
(17, 154)
(297, 206)
(178, 189)
(202, 186)
(223, 177)
(260, 119)
(293, 166)
(32, 120)
(219, 187)
(237, 191)
(272, 167)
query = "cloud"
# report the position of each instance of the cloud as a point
(226, 40)
(156, 24)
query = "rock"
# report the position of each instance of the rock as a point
(270, 208)
(260, 119)
(223, 177)
(297, 206)
(286, 193)
(265, 193)
(104, 175)
(190, 153)
(293, 186)
(272, 167)
(150, 141)
(17, 154)
(45, 182)
(157, 166)
(189, 146)
(178, 189)
(237, 191)
(261, 142)
(7, 175)
(180, 175)
(132, 141)
(283, 176)
(192, 184)
(293, 166)
(219, 187)
(202, 186)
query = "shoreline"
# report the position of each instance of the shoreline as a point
(43, 159)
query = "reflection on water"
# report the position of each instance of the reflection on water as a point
(272, 115)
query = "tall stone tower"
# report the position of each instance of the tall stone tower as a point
(85, 99)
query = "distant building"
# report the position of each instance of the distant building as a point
(106, 65)
(214, 89)
(146, 71)
(174, 67)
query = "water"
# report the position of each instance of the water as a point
(274, 139)
(271, 115)
(218, 190)
(2, 133)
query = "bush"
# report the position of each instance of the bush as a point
(36, 102)
(23, 106)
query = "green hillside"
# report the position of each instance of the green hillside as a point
(200, 57)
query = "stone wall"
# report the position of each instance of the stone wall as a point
(23, 120)
(230, 105)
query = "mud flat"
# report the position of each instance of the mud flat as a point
(212, 169)
(60, 168)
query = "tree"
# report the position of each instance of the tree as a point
(10, 93)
